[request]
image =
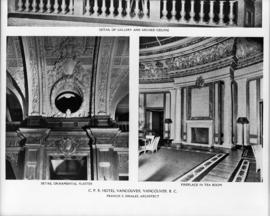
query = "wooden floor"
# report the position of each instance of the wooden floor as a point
(226, 169)
(168, 164)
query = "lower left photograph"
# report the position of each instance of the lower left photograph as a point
(67, 108)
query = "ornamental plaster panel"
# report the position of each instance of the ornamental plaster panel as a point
(15, 62)
(30, 47)
(103, 73)
(67, 67)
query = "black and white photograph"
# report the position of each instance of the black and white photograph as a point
(67, 108)
(201, 109)
(152, 13)
(134, 107)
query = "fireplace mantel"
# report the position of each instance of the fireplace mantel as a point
(200, 124)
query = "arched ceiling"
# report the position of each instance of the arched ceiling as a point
(44, 67)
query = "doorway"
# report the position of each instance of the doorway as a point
(155, 122)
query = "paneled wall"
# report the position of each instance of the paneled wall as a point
(36, 154)
(254, 110)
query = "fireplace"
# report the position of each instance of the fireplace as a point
(200, 132)
(200, 135)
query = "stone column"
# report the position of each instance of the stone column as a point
(173, 113)
(177, 118)
(141, 112)
(167, 114)
(227, 124)
(34, 154)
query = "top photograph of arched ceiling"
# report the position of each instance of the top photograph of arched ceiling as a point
(154, 13)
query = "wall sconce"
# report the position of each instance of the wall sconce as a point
(242, 121)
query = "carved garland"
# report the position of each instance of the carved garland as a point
(67, 146)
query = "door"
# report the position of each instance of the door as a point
(261, 121)
(157, 123)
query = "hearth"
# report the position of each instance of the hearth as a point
(200, 135)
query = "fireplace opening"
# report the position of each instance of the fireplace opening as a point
(200, 135)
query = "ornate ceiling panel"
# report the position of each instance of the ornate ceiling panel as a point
(15, 62)
(55, 65)
(113, 74)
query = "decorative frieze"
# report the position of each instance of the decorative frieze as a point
(212, 55)
(178, 65)
(60, 141)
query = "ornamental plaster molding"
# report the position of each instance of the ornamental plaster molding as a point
(232, 52)
(35, 78)
(103, 73)
(161, 69)
(69, 74)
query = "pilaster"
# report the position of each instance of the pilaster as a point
(227, 113)
(34, 153)
(177, 118)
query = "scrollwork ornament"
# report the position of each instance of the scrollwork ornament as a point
(67, 146)
(199, 82)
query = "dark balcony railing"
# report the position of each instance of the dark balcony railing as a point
(123, 125)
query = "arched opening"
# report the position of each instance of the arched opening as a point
(68, 101)
(122, 110)
(14, 110)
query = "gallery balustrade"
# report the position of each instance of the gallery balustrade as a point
(158, 12)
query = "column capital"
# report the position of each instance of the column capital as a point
(178, 88)
(34, 136)
(172, 91)
(103, 136)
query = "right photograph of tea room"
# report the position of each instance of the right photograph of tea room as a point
(201, 109)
